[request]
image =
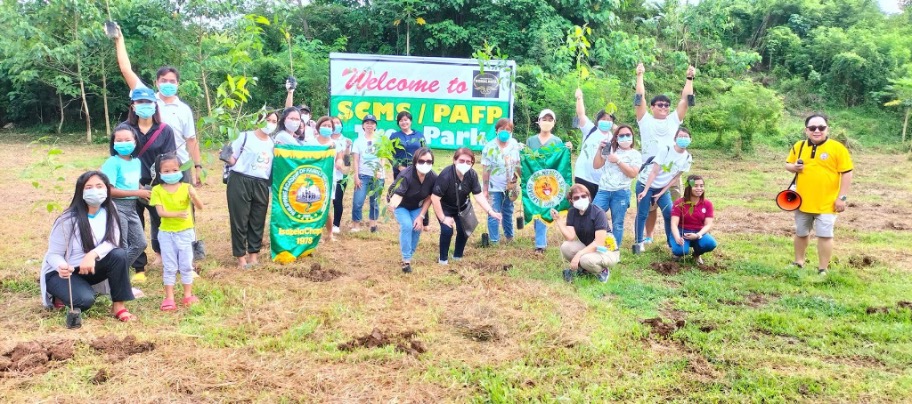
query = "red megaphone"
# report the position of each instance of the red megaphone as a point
(788, 200)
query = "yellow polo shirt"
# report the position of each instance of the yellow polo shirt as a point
(819, 182)
(178, 201)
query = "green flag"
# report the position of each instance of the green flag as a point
(546, 178)
(301, 196)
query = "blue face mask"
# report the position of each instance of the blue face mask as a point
(683, 142)
(325, 132)
(172, 178)
(167, 89)
(144, 111)
(503, 135)
(124, 148)
(605, 126)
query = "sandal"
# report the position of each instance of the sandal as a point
(124, 316)
(187, 301)
(58, 304)
(168, 305)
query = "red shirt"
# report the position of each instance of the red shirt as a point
(692, 217)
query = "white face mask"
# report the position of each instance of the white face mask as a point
(581, 204)
(270, 127)
(305, 118)
(292, 126)
(463, 168)
(94, 196)
(424, 168)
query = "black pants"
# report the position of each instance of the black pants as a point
(338, 194)
(593, 188)
(142, 260)
(113, 267)
(446, 234)
(248, 198)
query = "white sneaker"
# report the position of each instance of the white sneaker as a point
(457, 259)
(336, 230)
(138, 294)
(442, 262)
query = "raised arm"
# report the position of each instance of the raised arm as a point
(123, 61)
(641, 90)
(688, 90)
(580, 108)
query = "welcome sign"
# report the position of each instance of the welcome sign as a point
(454, 102)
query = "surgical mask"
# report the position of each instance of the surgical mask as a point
(683, 142)
(625, 140)
(94, 196)
(605, 126)
(581, 204)
(167, 89)
(124, 148)
(546, 126)
(144, 111)
(292, 126)
(270, 127)
(463, 168)
(503, 135)
(424, 168)
(172, 178)
(337, 129)
(305, 118)
(325, 132)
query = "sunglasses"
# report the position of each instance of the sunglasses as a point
(578, 197)
(662, 104)
(422, 161)
(625, 137)
(813, 128)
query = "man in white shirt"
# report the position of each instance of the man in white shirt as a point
(658, 127)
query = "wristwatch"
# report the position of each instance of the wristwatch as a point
(843, 198)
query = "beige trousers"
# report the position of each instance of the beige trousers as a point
(593, 262)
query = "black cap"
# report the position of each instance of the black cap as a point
(304, 107)
(369, 117)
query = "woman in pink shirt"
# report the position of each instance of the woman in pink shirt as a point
(692, 217)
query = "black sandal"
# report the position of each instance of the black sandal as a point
(406, 268)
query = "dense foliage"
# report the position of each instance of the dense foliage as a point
(760, 63)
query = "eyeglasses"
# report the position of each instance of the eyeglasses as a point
(578, 197)
(662, 105)
(461, 161)
(813, 128)
(422, 161)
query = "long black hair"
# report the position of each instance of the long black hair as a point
(124, 126)
(78, 211)
(281, 124)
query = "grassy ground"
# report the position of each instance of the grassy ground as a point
(499, 326)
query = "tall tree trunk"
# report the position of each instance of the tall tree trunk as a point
(82, 92)
(408, 32)
(60, 102)
(104, 95)
(906, 124)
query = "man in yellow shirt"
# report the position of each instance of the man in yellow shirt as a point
(824, 177)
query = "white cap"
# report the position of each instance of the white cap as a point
(547, 112)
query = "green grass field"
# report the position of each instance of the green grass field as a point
(499, 326)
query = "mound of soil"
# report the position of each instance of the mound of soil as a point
(478, 332)
(120, 349)
(101, 377)
(862, 261)
(713, 267)
(494, 269)
(35, 357)
(315, 274)
(901, 305)
(666, 267)
(404, 341)
(662, 328)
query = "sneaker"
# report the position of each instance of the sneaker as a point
(604, 275)
(638, 248)
(647, 240)
(795, 265)
(699, 260)
(373, 229)
(407, 268)
(539, 250)
(443, 262)
(336, 230)
(568, 276)
(457, 259)
(821, 271)
(139, 277)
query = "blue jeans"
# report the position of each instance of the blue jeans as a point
(700, 246)
(408, 236)
(500, 203)
(541, 234)
(664, 203)
(372, 185)
(615, 202)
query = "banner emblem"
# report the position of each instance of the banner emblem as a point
(546, 188)
(302, 194)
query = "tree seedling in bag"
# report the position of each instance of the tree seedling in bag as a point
(74, 315)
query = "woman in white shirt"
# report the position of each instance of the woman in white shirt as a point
(248, 190)
(287, 128)
(618, 163)
(84, 253)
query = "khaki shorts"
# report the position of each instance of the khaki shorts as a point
(675, 190)
(822, 223)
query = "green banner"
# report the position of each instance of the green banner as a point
(546, 178)
(301, 196)
(446, 124)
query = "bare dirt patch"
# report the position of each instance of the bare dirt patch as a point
(901, 305)
(120, 349)
(36, 357)
(862, 261)
(101, 377)
(477, 324)
(316, 273)
(663, 329)
(404, 341)
(666, 267)
(753, 299)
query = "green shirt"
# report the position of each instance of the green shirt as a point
(179, 201)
